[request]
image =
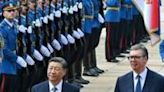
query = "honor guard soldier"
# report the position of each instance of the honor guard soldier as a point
(49, 10)
(136, 31)
(123, 25)
(126, 20)
(87, 22)
(96, 31)
(44, 11)
(38, 30)
(8, 67)
(34, 42)
(77, 48)
(42, 32)
(112, 19)
(57, 24)
(25, 75)
(127, 5)
(79, 52)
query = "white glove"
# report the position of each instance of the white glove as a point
(75, 8)
(104, 5)
(38, 23)
(22, 28)
(100, 18)
(21, 62)
(50, 48)
(80, 32)
(64, 10)
(80, 5)
(76, 34)
(56, 44)
(51, 17)
(64, 39)
(70, 10)
(44, 50)
(70, 39)
(41, 18)
(45, 19)
(37, 55)
(33, 23)
(29, 60)
(29, 30)
(58, 14)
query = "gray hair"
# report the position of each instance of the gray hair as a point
(140, 47)
(60, 60)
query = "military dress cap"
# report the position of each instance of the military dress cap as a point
(9, 6)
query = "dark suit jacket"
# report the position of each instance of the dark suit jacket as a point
(44, 87)
(153, 83)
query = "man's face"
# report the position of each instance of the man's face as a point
(24, 10)
(137, 60)
(40, 3)
(32, 5)
(54, 1)
(9, 14)
(55, 72)
(47, 2)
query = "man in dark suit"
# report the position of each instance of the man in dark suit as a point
(57, 68)
(141, 79)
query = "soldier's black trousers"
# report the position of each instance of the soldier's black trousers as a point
(87, 50)
(95, 37)
(112, 40)
(8, 83)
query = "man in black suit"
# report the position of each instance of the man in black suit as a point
(141, 79)
(56, 71)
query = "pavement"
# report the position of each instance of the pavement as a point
(106, 81)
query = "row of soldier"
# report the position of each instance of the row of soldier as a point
(36, 30)
(124, 27)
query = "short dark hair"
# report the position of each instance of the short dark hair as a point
(142, 48)
(60, 60)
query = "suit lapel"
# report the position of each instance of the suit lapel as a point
(45, 87)
(64, 89)
(130, 84)
(148, 82)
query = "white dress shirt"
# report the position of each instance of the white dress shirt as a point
(142, 78)
(8, 22)
(58, 86)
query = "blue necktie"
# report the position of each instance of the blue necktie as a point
(138, 86)
(55, 89)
